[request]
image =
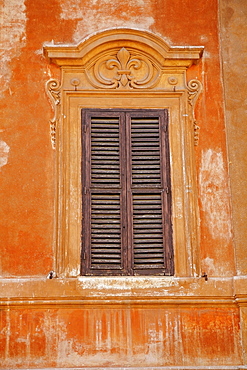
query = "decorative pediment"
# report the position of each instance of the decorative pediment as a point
(126, 61)
(152, 45)
(123, 59)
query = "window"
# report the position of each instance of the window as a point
(125, 68)
(126, 193)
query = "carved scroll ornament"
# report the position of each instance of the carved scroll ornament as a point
(53, 89)
(123, 71)
(194, 89)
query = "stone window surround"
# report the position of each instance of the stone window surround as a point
(124, 68)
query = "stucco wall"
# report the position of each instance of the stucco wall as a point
(27, 157)
(233, 17)
(194, 334)
(234, 52)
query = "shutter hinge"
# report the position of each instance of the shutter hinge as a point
(85, 128)
(167, 190)
(85, 190)
(84, 255)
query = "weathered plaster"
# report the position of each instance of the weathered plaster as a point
(214, 194)
(233, 17)
(102, 14)
(112, 337)
(12, 37)
(4, 153)
(190, 323)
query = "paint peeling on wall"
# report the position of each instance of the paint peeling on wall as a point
(111, 337)
(209, 266)
(12, 37)
(4, 153)
(133, 13)
(214, 194)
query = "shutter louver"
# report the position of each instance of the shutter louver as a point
(145, 151)
(105, 231)
(105, 161)
(148, 231)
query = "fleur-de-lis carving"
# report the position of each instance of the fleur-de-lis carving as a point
(123, 62)
(119, 71)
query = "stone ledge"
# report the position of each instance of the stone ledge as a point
(150, 368)
(82, 291)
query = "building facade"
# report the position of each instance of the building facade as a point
(123, 193)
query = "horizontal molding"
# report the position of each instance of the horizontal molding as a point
(152, 368)
(241, 299)
(116, 301)
(134, 291)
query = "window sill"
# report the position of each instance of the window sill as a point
(118, 290)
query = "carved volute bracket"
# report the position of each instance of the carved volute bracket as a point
(53, 89)
(194, 89)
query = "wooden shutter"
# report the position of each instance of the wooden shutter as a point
(149, 184)
(126, 193)
(102, 193)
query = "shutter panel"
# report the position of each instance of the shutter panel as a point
(102, 209)
(147, 184)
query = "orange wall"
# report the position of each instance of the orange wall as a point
(28, 178)
(129, 337)
(48, 336)
(234, 52)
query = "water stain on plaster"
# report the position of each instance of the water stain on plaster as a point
(214, 194)
(4, 153)
(12, 37)
(115, 335)
(108, 336)
(102, 14)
